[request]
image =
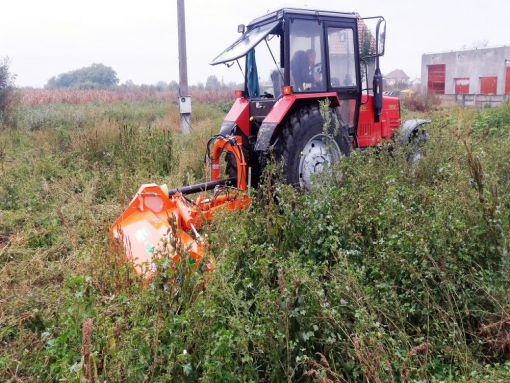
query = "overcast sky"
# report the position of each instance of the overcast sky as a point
(44, 38)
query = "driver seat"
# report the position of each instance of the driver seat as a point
(298, 68)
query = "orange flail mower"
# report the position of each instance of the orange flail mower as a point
(157, 218)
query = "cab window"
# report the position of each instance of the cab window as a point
(306, 56)
(342, 60)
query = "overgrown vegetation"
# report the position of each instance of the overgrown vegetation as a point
(493, 122)
(418, 102)
(383, 273)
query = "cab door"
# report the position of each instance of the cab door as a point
(343, 74)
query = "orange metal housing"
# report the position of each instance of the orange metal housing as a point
(222, 144)
(153, 221)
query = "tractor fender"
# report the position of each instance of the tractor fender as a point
(238, 115)
(281, 110)
(410, 126)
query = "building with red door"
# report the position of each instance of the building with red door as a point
(482, 71)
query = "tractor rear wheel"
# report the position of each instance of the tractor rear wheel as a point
(306, 146)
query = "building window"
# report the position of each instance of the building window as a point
(437, 76)
(489, 85)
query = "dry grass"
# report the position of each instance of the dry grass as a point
(77, 96)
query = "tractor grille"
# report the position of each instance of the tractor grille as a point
(394, 122)
(365, 129)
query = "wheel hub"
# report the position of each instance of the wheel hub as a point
(318, 152)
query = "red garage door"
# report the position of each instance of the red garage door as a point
(437, 75)
(462, 85)
(488, 85)
(507, 86)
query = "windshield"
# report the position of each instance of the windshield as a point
(244, 44)
(270, 72)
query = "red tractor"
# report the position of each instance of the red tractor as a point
(308, 57)
(315, 55)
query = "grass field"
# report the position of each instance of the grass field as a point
(384, 273)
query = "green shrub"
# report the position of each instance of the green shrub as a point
(493, 121)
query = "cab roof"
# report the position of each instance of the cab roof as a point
(258, 29)
(280, 13)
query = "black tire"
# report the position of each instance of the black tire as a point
(300, 128)
(231, 168)
(252, 159)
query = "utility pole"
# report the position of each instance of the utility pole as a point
(184, 99)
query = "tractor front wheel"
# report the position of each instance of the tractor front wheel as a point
(306, 145)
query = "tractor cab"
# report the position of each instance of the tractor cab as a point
(310, 55)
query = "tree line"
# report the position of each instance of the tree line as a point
(100, 76)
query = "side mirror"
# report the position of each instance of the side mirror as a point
(241, 28)
(378, 94)
(377, 85)
(380, 37)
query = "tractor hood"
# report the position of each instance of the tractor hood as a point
(244, 44)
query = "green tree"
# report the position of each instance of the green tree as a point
(212, 83)
(174, 85)
(161, 85)
(129, 85)
(96, 76)
(6, 85)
